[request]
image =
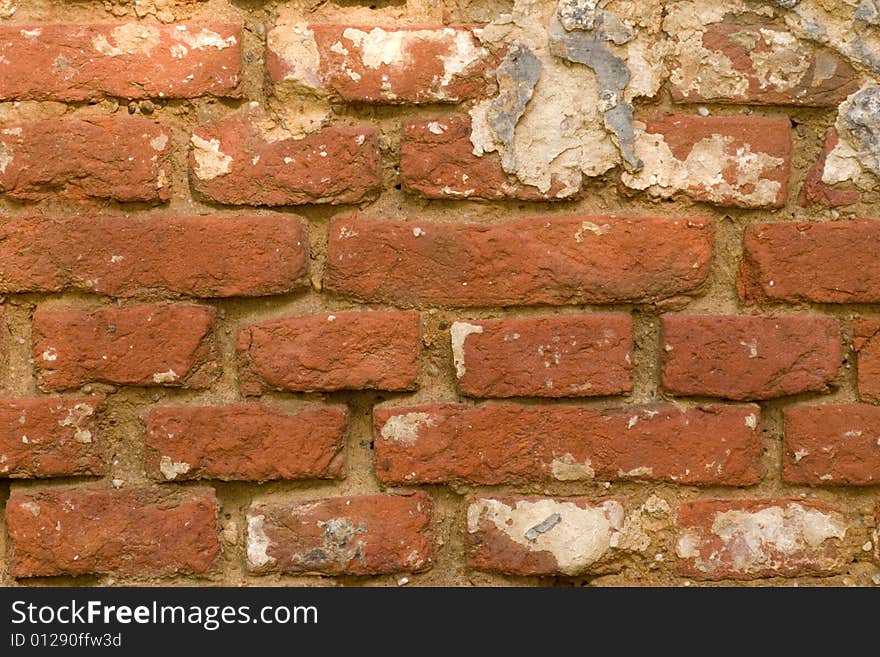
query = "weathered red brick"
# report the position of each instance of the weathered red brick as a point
(738, 161)
(143, 531)
(867, 344)
(232, 161)
(542, 535)
(366, 535)
(382, 65)
(253, 442)
(130, 256)
(556, 260)
(750, 539)
(815, 190)
(514, 444)
(825, 262)
(72, 62)
(832, 444)
(763, 66)
(749, 357)
(123, 159)
(137, 345)
(50, 437)
(339, 351)
(437, 161)
(565, 356)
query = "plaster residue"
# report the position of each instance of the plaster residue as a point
(706, 170)
(339, 539)
(647, 521)
(257, 542)
(75, 418)
(458, 332)
(202, 39)
(779, 59)
(404, 429)
(838, 28)
(856, 156)
(7, 8)
(755, 540)
(210, 160)
(576, 537)
(300, 102)
(6, 156)
(568, 468)
(128, 39)
(561, 134)
(170, 469)
(169, 376)
(294, 43)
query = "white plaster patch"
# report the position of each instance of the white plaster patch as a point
(294, 43)
(568, 468)
(576, 537)
(33, 507)
(756, 539)
(703, 170)
(210, 160)
(458, 332)
(203, 39)
(128, 39)
(165, 377)
(257, 542)
(404, 429)
(751, 421)
(159, 142)
(75, 417)
(170, 469)
(6, 156)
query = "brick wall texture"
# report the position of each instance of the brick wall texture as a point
(440, 292)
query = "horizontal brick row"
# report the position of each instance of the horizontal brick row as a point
(131, 256)
(503, 443)
(830, 444)
(581, 259)
(164, 531)
(123, 159)
(381, 63)
(735, 357)
(77, 62)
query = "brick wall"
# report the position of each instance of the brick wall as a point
(459, 292)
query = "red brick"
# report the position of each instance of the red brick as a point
(366, 535)
(247, 442)
(737, 161)
(867, 346)
(132, 256)
(50, 437)
(832, 444)
(340, 351)
(749, 357)
(541, 535)
(517, 444)
(825, 262)
(555, 260)
(817, 191)
(567, 356)
(144, 532)
(123, 159)
(437, 161)
(382, 65)
(72, 62)
(232, 161)
(750, 539)
(767, 66)
(137, 345)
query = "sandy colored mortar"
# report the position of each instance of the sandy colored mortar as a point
(121, 421)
